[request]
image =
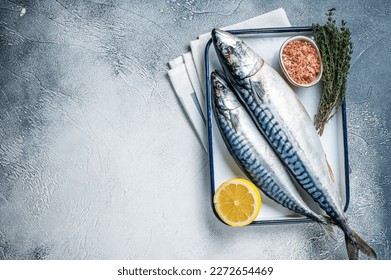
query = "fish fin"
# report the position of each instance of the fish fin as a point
(351, 248)
(258, 91)
(330, 171)
(355, 244)
(234, 121)
(337, 191)
(364, 247)
(329, 228)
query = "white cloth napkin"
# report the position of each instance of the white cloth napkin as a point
(187, 73)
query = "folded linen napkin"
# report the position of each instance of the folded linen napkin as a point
(186, 95)
(187, 73)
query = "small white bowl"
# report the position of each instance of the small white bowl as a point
(312, 42)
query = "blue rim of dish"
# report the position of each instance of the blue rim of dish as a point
(282, 30)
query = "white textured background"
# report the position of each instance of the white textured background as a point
(97, 160)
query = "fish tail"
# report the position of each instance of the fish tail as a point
(354, 244)
(329, 229)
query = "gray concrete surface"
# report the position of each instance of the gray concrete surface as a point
(97, 160)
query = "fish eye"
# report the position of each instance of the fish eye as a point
(226, 50)
(219, 86)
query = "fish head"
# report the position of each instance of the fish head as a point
(235, 56)
(223, 96)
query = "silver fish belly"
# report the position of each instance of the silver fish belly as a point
(252, 152)
(283, 120)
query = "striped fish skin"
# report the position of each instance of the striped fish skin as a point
(252, 152)
(283, 120)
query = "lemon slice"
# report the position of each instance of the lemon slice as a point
(237, 202)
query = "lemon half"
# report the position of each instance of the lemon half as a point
(237, 202)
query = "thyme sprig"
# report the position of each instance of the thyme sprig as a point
(336, 48)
